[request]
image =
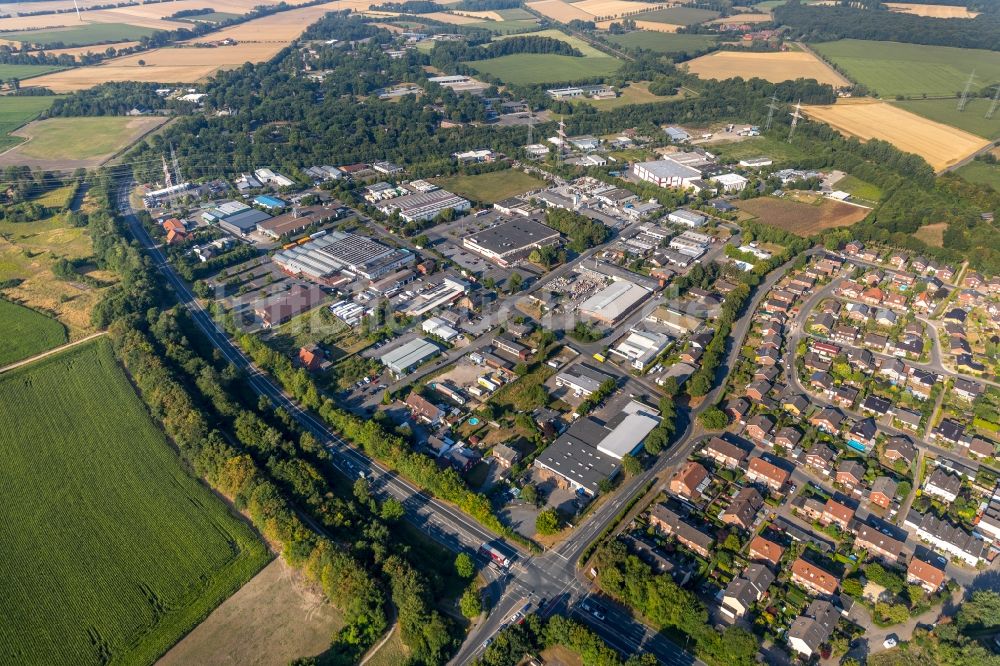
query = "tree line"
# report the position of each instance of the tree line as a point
(816, 23)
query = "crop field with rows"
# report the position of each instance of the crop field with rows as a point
(111, 550)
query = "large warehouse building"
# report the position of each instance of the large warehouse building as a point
(338, 255)
(424, 205)
(415, 352)
(235, 217)
(511, 242)
(589, 452)
(616, 301)
(666, 173)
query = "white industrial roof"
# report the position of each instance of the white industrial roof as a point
(412, 353)
(627, 435)
(614, 299)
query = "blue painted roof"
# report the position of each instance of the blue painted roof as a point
(265, 200)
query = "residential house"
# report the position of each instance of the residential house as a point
(883, 491)
(907, 418)
(505, 456)
(759, 428)
(947, 538)
(876, 406)
(828, 420)
(812, 629)
(687, 481)
(838, 514)
(763, 549)
(671, 524)
(878, 544)
(788, 437)
(875, 341)
(761, 471)
(742, 510)
(814, 580)
(844, 334)
(927, 572)
(795, 404)
(724, 453)
(948, 431)
(423, 410)
(745, 590)
(820, 457)
(845, 396)
(978, 447)
(900, 448)
(943, 484)
(737, 409)
(850, 474)
(758, 390)
(862, 434)
(967, 389)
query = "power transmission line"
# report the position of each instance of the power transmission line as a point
(772, 107)
(994, 104)
(796, 115)
(965, 93)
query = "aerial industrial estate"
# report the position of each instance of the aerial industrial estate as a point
(500, 332)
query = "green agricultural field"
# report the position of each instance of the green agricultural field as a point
(781, 152)
(516, 14)
(531, 68)
(84, 35)
(859, 189)
(490, 187)
(22, 72)
(25, 332)
(16, 111)
(972, 119)
(678, 16)
(634, 93)
(981, 172)
(111, 550)
(79, 138)
(664, 42)
(891, 68)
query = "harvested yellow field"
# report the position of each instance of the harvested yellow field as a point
(283, 26)
(560, 11)
(941, 145)
(482, 16)
(643, 25)
(453, 19)
(743, 18)
(770, 66)
(933, 11)
(167, 65)
(97, 49)
(613, 8)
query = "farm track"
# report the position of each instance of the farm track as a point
(55, 350)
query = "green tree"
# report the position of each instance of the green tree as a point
(656, 440)
(471, 602)
(529, 494)
(464, 566)
(714, 418)
(515, 282)
(981, 611)
(547, 522)
(631, 465)
(392, 510)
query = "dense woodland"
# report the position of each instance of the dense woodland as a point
(820, 23)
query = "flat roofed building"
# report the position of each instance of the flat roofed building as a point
(422, 206)
(627, 435)
(582, 379)
(687, 218)
(408, 356)
(278, 309)
(576, 465)
(510, 242)
(339, 252)
(296, 221)
(614, 302)
(666, 173)
(641, 348)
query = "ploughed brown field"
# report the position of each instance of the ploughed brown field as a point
(800, 217)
